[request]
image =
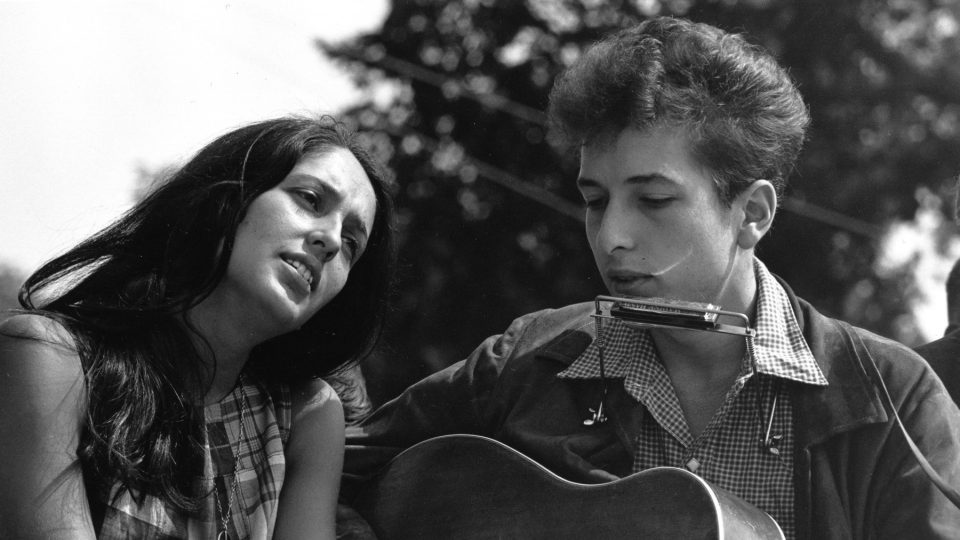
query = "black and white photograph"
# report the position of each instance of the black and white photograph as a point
(480, 269)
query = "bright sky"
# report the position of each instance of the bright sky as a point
(90, 91)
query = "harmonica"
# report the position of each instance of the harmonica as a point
(670, 313)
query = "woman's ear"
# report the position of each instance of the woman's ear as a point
(759, 204)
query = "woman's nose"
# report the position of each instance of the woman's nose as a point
(324, 239)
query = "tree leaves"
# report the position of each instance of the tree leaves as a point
(466, 136)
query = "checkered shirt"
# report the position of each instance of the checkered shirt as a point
(266, 422)
(729, 452)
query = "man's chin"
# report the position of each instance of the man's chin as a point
(637, 288)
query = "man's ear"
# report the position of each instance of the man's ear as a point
(759, 205)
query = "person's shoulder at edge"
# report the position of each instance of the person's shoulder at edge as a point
(42, 404)
(943, 355)
(948, 345)
(36, 349)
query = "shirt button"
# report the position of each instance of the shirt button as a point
(693, 465)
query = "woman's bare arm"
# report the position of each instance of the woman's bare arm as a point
(42, 399)
(314, 457)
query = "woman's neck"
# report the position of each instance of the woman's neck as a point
(224, 348)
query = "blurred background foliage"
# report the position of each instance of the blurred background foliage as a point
(489, 215)
(490, 221)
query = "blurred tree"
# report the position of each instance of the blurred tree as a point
(458, 86)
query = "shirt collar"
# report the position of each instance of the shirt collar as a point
(779, 348)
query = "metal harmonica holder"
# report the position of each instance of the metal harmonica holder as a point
(662, 313)
(676, 314)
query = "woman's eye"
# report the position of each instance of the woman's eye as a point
(310, 197)
(353, 248)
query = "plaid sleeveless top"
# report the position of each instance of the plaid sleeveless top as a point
(266, 428)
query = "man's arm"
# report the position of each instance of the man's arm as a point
(449, 401)
(453, 400)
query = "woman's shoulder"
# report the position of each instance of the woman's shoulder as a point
(42, 399)
(315, 394)
(37, 350)
(36, 327)
(317, 422)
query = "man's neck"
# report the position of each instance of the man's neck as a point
(701, 369)
(703, 365)
(703, 356)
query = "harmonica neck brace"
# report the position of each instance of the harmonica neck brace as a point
(662, 313)
(677, 314)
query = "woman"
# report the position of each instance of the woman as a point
(165, 376)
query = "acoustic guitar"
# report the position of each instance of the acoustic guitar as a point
(471, 487)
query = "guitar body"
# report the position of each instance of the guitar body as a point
(471, 487)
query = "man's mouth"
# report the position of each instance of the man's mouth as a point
(624, 282)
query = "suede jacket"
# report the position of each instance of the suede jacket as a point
(855, 476)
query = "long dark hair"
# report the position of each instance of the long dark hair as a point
(123, 292)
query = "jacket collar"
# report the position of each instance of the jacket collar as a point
(847, 402)
(850, 399)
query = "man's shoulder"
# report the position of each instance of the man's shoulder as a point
(853, 336)
(837, 338)
(559, 318)
(558, 333)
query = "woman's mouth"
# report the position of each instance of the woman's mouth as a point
(305, 272)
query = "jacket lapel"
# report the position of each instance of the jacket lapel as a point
(623, 413)
(846, 403)
(849, 399)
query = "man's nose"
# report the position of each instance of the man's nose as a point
(616, 230)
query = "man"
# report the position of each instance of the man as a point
(944, 354)
(686, 136)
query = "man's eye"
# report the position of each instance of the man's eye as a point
(657, 201)
(594, 203)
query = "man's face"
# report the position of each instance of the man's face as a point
(655, 222)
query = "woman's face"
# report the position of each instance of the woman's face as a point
(298, 241)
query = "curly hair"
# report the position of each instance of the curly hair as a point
(745, 117)
(123, 294)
